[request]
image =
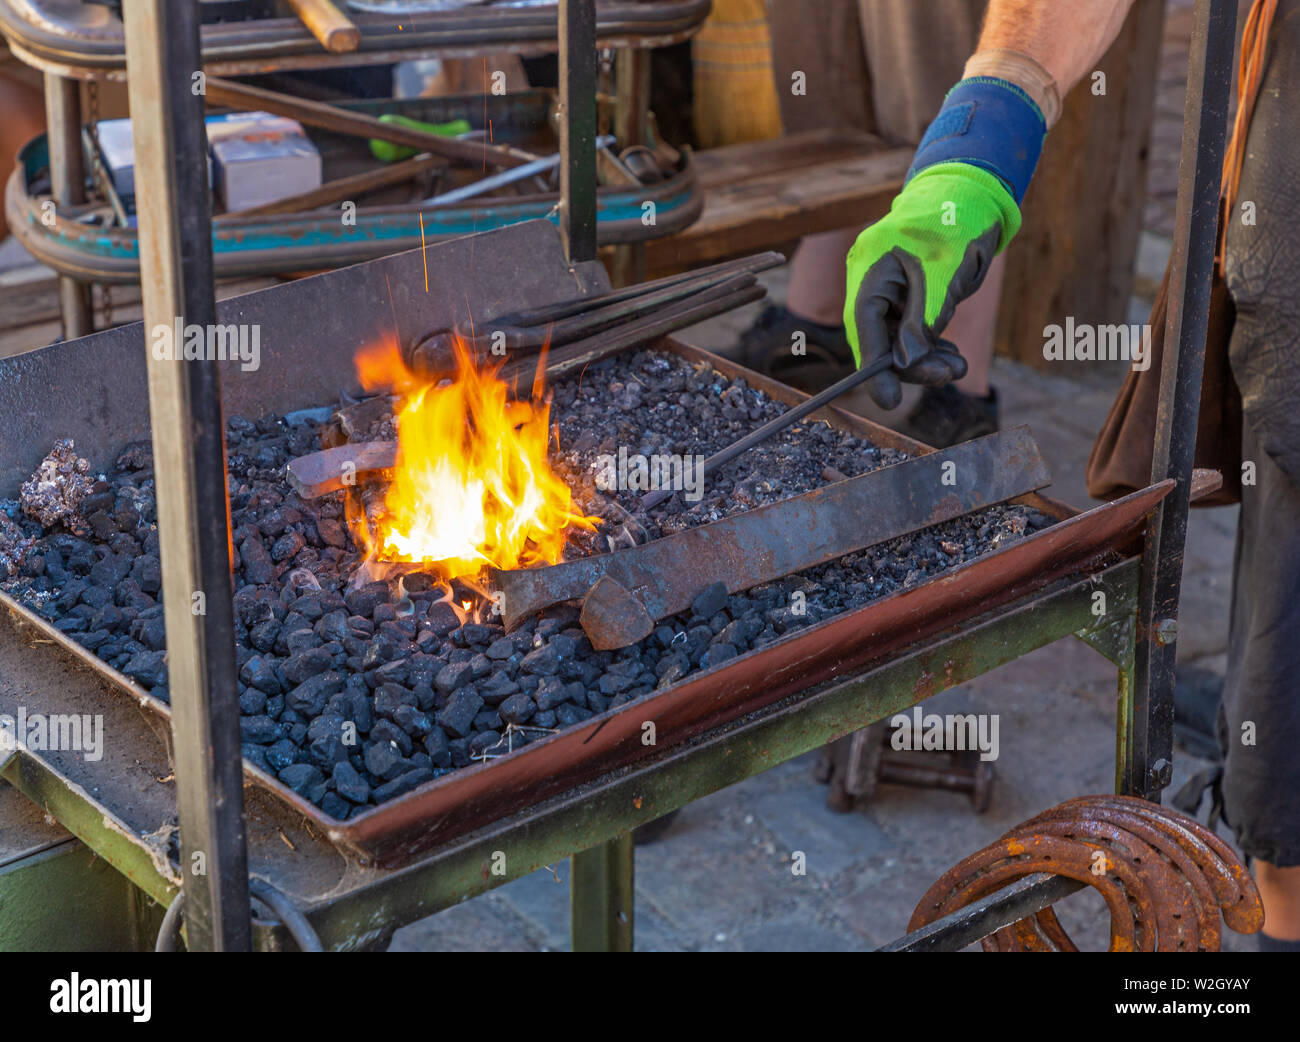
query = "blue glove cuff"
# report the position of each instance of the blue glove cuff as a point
(988, 123)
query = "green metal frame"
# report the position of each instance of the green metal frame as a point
(594, 824)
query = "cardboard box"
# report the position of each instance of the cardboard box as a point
(260, 158)
(118, 150)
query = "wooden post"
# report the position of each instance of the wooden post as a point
(1076, 251)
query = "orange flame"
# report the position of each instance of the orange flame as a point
(473, 486)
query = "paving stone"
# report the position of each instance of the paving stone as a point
(800, 820)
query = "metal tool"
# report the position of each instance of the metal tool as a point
(760, 545)
(571, 358)
(705, 276)
(723, 456)
(526, 332)
(505, 177)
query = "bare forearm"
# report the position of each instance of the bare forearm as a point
(1066, 37)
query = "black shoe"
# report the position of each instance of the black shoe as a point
(768, 346)
(945, 416)
(1198, 693)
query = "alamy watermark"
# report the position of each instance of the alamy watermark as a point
(75, 994)
(53, 732)
(233, 342)
(955, 732)
(635, 472)
(1084, 342)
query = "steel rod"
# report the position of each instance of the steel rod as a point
(344, 121)
(1150, 767)
(724, 456)
(710, 275)
(437, 351)
(162, 51)
(505, 177)
(1012, 903)
(578, 129)
(733, 293)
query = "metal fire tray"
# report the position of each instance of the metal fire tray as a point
(93, 390)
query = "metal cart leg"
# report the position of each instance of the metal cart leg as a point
(37, 891)
(162, 52)
(578, 135)
(68, 186)
(601, 899)
(1195, 230)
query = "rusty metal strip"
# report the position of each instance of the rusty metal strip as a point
(793, 534)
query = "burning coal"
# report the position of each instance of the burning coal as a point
(473, 486)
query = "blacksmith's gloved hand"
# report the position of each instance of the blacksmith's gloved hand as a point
(959, 207)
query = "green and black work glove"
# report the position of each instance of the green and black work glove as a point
(958, 209)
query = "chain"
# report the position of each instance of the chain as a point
(92, 109)
(106, 304)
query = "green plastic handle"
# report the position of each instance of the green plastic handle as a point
(387, 152)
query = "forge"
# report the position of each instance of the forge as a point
(392, 702)
(365, 675)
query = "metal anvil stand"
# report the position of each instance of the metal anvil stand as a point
(42, 864)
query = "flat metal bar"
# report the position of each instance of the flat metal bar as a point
(578, 129)
(162, 45)
(1150, 760)
(796, 533)
(967, 925)
(68, 187)
(601, 897)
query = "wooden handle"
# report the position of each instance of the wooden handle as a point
(328, 24)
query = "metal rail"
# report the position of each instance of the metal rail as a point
(1196, 224)
(162, 41)
(578, 135)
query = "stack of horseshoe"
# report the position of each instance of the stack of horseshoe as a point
(1165, 877)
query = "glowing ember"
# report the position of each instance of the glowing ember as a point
(473, 486)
